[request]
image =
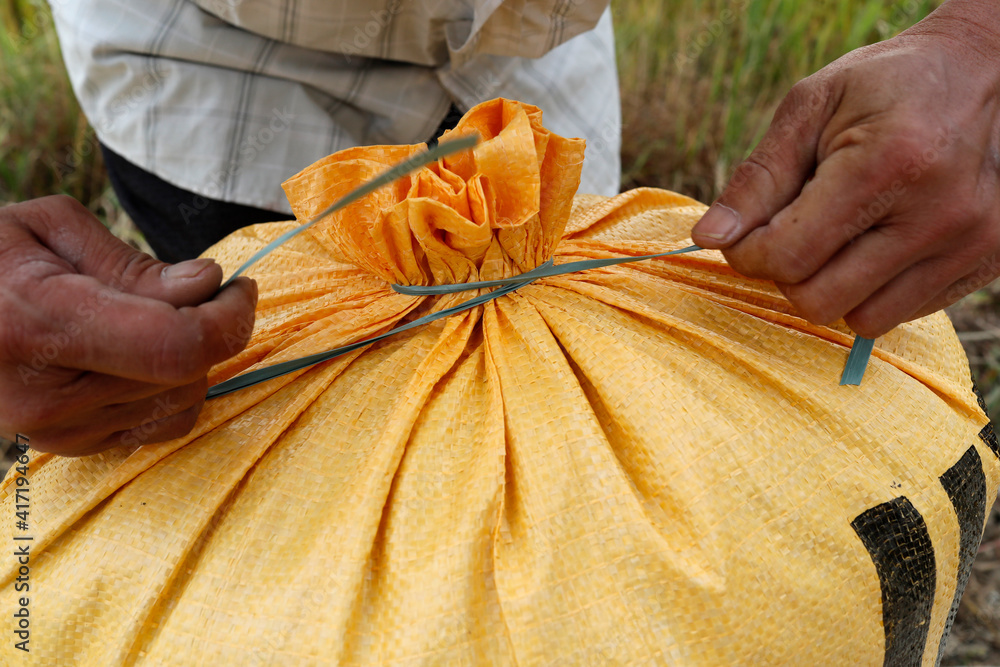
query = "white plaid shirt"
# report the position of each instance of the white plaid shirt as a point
(228, 98)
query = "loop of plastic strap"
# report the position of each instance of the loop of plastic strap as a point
(285, 367)
(411, 164)
(856, 363)
(853, 371)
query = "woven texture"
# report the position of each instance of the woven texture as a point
(650, 463)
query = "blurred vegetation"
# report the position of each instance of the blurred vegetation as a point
(46, 145)
(700, 79)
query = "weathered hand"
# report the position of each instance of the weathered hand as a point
(875, 194)
(101, 345)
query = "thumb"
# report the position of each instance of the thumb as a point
(774, 173)
(70, 231)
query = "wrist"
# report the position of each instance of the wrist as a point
(969, 25)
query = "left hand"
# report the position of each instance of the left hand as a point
(875, 194)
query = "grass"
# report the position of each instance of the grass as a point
(46, 145)
(700, 79)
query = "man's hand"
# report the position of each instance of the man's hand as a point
(875, 194)
(101, 345)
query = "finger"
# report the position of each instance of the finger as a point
(774, 173)
(56, 397)
(64, 410)
(862, 268)
(78, 323)
(975, 280)
(898, 301)
(134, 414)
(169, 428)
(70, 231)
(850, 192)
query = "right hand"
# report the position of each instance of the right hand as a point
(102, 345)
(875, 194)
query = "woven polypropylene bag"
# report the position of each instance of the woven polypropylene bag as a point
(646, 464)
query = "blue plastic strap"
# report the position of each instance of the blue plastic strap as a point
(857, 361)
(285, 367)
(505, 286)
(546, 270)
(853, 371)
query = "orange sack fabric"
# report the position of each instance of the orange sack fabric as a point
(650, 463)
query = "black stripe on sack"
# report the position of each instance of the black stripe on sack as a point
(987, 435)
(990, 438)
(965, 484)
(896, 537)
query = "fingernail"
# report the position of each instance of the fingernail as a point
(256, 291)
(188, 269)
(720, 223)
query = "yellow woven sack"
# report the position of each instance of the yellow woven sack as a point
(651, 463)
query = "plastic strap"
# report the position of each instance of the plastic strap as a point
(505, 286)
(546, 270)
(857, 361)
(285, 367)
(853, 371)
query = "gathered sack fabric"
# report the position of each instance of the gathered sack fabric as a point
(650, 463)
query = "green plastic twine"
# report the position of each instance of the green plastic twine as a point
(857, 361)
(854, 370)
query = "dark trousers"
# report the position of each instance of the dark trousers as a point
(158, 208)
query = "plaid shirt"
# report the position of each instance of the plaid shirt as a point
(228, 98)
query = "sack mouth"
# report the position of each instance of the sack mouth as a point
(490, 213)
